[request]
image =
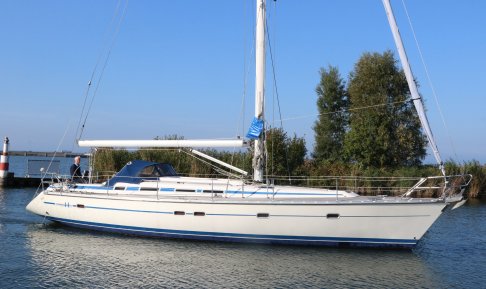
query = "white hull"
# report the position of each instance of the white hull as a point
(150, 199)
(352, 220)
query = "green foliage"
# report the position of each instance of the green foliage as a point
(478, 171)
(387, 136)
(331, 126)
(285, 154)
(108, 161)
(362, 144)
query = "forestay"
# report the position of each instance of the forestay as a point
(417, 100)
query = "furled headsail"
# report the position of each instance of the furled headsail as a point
(416, 98)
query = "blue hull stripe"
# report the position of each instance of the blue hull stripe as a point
(233, 237)
(84, 187)
(229, 215)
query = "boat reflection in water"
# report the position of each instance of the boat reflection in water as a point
(72, 257)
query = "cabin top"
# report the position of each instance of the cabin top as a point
(137, 171)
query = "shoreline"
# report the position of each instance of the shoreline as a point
(65, 154)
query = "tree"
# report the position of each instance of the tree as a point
(387, 133)
(330, 128)
(285, 154)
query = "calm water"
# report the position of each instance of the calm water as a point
(33, 254)
(18, 164)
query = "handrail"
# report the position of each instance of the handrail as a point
(437, 186)
(449, 186)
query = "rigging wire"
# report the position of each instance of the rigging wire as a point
(273, 99)
(41, 185)
(53, 156)
(104, 52)
(246, 70)
(275, 91)
(348, 110)
(86, 94)
(429, 80)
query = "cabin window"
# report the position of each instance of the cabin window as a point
(157, 170)
(263, 215)
(185, 191)
(148, 189)
(119, 188)
(150, 171)
(179, 213)
(212, 191)
(166, 170)
(80, 206)
(332, 216)
(199, 214)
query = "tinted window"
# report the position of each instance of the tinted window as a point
(150, 171)
(166, 170)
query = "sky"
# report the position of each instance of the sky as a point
(186, 67)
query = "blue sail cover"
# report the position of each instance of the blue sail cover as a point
(255, 129)
(129, 173)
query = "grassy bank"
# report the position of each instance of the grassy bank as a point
(328, 175)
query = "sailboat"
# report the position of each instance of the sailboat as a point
(151, 199)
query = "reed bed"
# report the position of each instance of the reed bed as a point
(365, 181)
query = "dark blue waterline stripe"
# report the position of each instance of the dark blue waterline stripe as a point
(234, 237)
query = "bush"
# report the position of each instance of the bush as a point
(369, 181)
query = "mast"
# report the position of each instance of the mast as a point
(417, 100)
(258, 156)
